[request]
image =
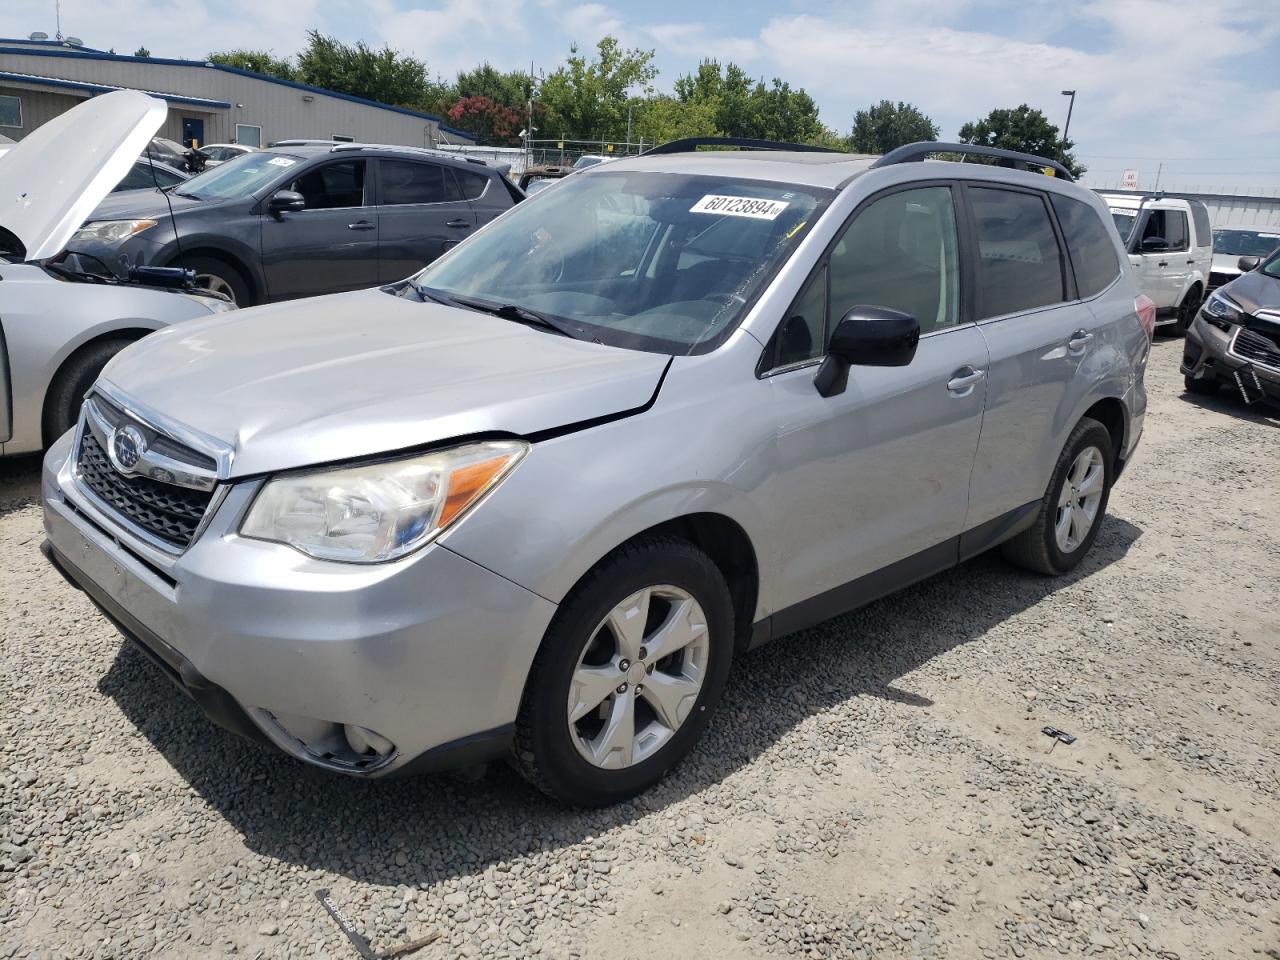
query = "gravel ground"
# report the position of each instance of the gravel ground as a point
(875, 786)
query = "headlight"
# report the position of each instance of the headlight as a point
(381, 511)
(112, 231)
(1222, 312)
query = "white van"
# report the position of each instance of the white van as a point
(1170, 246)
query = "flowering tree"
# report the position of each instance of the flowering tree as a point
(492, 123)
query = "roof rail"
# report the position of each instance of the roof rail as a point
(342, 146)
(689, 144)
(1012, 158)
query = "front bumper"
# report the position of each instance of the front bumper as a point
(1208, 354)
(430, 652)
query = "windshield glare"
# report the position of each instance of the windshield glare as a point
(238, 178)
(660, 262)
(1245, 243)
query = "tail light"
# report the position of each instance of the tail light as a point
(1145, 308)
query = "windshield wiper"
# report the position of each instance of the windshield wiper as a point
(507, 311)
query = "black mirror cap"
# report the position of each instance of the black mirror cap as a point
(283, 201)
(867, 337)
(876, 337)
(1246, 264)
(1155, 245)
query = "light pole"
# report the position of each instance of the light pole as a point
(1071, 106)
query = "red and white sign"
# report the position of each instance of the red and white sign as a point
(1129, 180)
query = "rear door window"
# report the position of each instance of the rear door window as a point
(1092, 251)
(1019, 261)
(1175, 225)
(333, 185)
(1200, 218)
(410, 181)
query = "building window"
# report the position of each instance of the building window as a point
(339, 138)
(10, 111)
(248, 135)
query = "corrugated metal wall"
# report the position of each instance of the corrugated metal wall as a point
(282, 112)
(38, 107)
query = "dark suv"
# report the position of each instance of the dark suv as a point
(303, 220)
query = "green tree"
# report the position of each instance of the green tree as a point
(142, 52)
(779, 113)
(384, 75)
(1023, 129)
(744, 109)
(587, 98)
(663, 118)
(887, 125)
(256, 61)
(507, 89)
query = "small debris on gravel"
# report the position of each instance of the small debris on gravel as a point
(876, 786)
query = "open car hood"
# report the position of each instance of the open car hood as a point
(53, 179)
(362, 374)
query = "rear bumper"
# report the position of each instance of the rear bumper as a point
(429, 653)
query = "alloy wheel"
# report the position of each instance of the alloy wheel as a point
(638, 678)
(1082, 490)
(215, 284)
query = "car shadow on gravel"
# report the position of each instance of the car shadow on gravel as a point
(424, 830)
(19, 482)
(1230, 404)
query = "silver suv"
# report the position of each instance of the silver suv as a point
(536, 498)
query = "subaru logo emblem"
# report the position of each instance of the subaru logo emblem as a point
(126, 447)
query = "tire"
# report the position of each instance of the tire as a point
(213, 273)
(1187, 311)
(1039, 548)
(66, 393)
(552, 748)
(1206, 387)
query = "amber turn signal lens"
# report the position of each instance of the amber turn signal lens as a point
(466, 484)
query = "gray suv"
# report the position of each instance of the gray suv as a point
(544, 492)
(303, 220)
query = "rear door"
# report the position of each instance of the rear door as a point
(421, 212)
(878, 473)
(486, 193)
(1157, 270)
(1042, 339)
(330, 246)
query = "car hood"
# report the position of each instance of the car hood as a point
(1254, 291)
(53, 178)
(367, 373)
(142, 204)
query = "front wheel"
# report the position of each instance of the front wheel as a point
(1205, 387)
(1073, 505)
(218, 276)
(628, 674)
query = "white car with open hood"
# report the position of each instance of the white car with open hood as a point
(62, 315)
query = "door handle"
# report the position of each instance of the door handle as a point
(1163, 263)
(360, 225)
(1190, 261)
(460, 224)
(1079, 340)
(962, 381)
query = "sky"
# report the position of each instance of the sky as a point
(1187, 89)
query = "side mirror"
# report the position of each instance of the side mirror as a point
(1155, 245)
(286, 201)
(867, 337)
(1245, 264)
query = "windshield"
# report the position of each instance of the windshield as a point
(660, 262)
(237, 178)
(1124, 220)
(1245, 243)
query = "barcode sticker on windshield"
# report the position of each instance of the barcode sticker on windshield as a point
(753, 207)
(282, 161)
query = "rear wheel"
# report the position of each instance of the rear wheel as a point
(72, 382)
(219, 276)
(1187, 311)
(628, 674)
(1073, 505)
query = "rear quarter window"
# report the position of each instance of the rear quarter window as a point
(1089, 244)
(1200, 218)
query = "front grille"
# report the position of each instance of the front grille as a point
(1256, 348)
(167, 512)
